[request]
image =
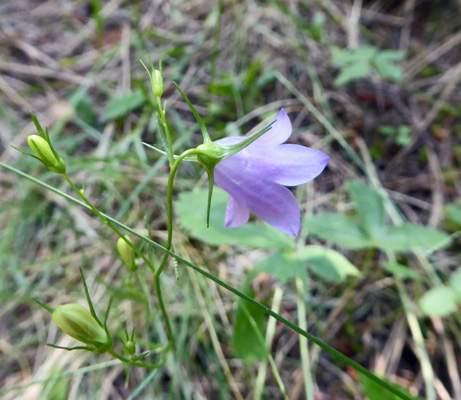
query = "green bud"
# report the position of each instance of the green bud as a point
(157, 82)
(130, 347)
(45, 153)
(126, 252)
(77, 322)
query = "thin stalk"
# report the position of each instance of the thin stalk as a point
(271, 325)
(303, 345)
(162, 265)
(166, 130)
(136, 363)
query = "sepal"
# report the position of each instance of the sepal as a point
(129, 344)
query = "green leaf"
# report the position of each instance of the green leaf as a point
(317, 27)
(245, 341)
(387, 130)
(84, 109)
(328, 264)
(455, 281)
(389, 55)
(411, 237)
(254, 70)
(389, 71)
(374, 391)
(365, 53)
(191, 211)
(403, 135)
(283, 265)
(402, 271)
(440, 301)
(361, 54)
(120, 106)
(453, 212)
(369, 207)
(338, 229)
(352, 72)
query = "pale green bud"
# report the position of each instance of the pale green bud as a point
(130, 347)
(43, 150)
(77, 322)
(126, 252)
(157, 82)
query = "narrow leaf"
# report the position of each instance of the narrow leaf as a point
(206, 137)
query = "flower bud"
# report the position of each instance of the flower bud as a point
(47, 156)
(126, 252)
(157, 82)
(130, 347)
(77, 322)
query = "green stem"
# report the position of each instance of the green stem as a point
(169, 195)
(167, 132)
(104, 218)
(303, 345)
(137, 363)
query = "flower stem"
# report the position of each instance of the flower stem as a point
(167, 131)
(136, 363)
(171, 177)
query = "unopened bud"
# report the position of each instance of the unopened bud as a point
(126, 252)
(157, 82)
(47, 156)
(130, 347)
(77, 322)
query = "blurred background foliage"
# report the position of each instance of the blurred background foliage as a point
(375, 273)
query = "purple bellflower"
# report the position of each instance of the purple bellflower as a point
(256, 176)
(255, 170)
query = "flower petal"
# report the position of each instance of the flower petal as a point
(237, 213)
(279, 133)
(269, 201)
(290, 164)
